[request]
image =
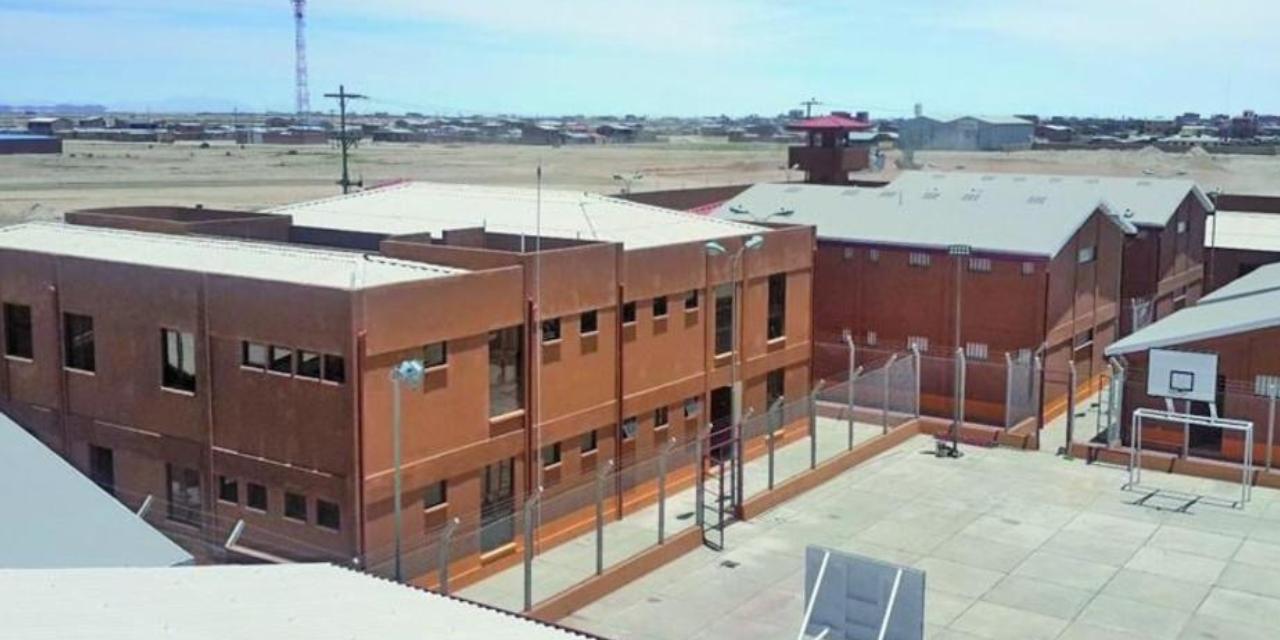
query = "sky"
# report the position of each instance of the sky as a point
(654, 57)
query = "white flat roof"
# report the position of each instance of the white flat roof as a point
(419, 207)
(1244, 230)
(244, 601)
(316, 267)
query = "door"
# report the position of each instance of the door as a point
(497, 506)
(721, 423)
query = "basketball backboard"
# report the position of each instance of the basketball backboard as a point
(1182, 375)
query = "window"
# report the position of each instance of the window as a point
(1028, 268)
(981, 265)
(691, 300)
(628, 313)
(255, 496)
(102, 468)
(281, 359)
(1263, 385)
(328, 515)
(917, 259)
(848, 253)
(17, 331)
(435, 354)
(551, 455)
(588, 323)
(497, 503)
(872, 339)
(437, 495)
(873, 255)
(228, 490)
(78, 342)
(253, 355)
(775, 387)
(589, 442)
(777, 319)
(295, 506)
(1022, 356)
(184, 494)
(629, 428)
(692, 407)
(506, 371)
(660, 307)
(551, 330)
(1084, 340)
(1182, 226)
(1086, 255)
(976, 350)
(724, 319)
(179, 369)
(335, 369)
(309, 365)
(919, 343)
(660, 418)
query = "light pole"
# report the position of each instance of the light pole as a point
(627, 180)
(716, 249)
(408, 373)
(958, 252)
(761, 219)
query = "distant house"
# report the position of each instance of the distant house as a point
(541, 133)
(49, 126)
(966, 133)
(1054, 132)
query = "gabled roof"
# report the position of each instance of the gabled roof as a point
(1006, 214)
(1243, 230)
(55, 517)
(420, 207)
(1247, 304)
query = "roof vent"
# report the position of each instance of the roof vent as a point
(1144, 183)
(791, 190)
(1037, 199)
(1091, 181)
(1055, 179)
(932, 195)
(1128, 213)
(988, 178)
(1020, 179)
(972, 196)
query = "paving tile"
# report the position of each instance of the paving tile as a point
(987, 620)
(1201, 543)
(1259, 553)
(942, 608)
(1007, 530)
(1250, 578)
(1085, 631)
(956, 578)
(1241, 607)
(1133, 617)
(1202, 627)
(1038, 596)
(1111, 527)
(981, 553)
(1094, 548)
(1156, 589)
(1065, 571)
(1178, 565)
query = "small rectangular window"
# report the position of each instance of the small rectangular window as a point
(980, 265)
(1182, 226)
(328, 515)
(1264, 385)
(660, 307)
(102, 468)
(253, 355)
(437, 494)
(872, 339)
(295, 506)
(873, 255)
(590, 442)
(184, 495)
(919, 343)
(692, 407)
(628, 313)
(435, 354)
(629, 428)
(179, 367)
(78, 342)
(776, 315)
(1028, 268)
(228, 490)
(1086, 255)
(724, 337)
(588, 323)
(18, 340)
(917, 259)
(775, 387)
(660, 418)
(976, 350)
(551, 330)
(281, 359)
(1084, 340)
(335, 369)
(309, 365)
(255, 496)
(848, 253)
(551, 454)
(691, 300)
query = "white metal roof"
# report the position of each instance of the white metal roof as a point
(243, 601)
(202, 254)
(1245, 230)
(1029, 215)
(418, 207)
(1247, 304)
(55, 517)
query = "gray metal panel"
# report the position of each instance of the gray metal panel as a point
(855, 594)
(55, 517)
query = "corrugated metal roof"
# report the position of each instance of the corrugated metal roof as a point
(55, 517)
(418, 207)
(1244, 230)
(1029, 215)
(245, 601)
(332, 269)
(1247, 304)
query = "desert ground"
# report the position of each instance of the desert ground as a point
(97, 174)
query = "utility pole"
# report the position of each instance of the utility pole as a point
(343, 138)
(808, 107)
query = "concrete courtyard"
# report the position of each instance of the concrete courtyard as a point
(1015, 544)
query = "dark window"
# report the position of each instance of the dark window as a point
(435, 354)
(437, 494)
(309, 365)
(295, 506)
(255, 496)
(628, 312)
(328, 515)
(551, 454)
(78, 342)
(629, 428)
(551, 330)
(589, 442)
(102, 468)
(281, 359)
(775, 387)
(588, 323)
(506, 371)
(17, 331)
(497, 506)
(228, 490)
(184, 495)
(335, 369)
(660, 307)
(660, 418)
(724, 319)
(777, 305)
(691, 300)
(253, 355)
(692, 407)
(179, 369)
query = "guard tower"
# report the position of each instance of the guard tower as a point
(828, 154)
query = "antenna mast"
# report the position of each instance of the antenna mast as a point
(302, 95)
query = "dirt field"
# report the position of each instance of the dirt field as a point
(90, 174)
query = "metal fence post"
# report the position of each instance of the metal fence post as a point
(884, 409)
(699, 477)
(1037, 391)
(529, 506)
(961, 371)
(813, 425)
(1271, 421)
(662, 488)
(738, 447)
(917, 363)
(602, 478)
(1071, 407)
(1115, 408)
(1008, 390)
(446, 542)
(774, 417)
(853, 374)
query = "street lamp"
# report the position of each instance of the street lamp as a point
(743, 211)
(408, 373)
(714, 248)
(958, 252)
(627, 180)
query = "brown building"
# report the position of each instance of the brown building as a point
(828, 155)
(250, 379)
(1243, 234)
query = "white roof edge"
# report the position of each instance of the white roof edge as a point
(1134, 342)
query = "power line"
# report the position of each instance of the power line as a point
(344, 139)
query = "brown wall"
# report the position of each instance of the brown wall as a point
(1226, 265)
(686, 199)
(1163, 265)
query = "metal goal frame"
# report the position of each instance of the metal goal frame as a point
(1186, 420)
